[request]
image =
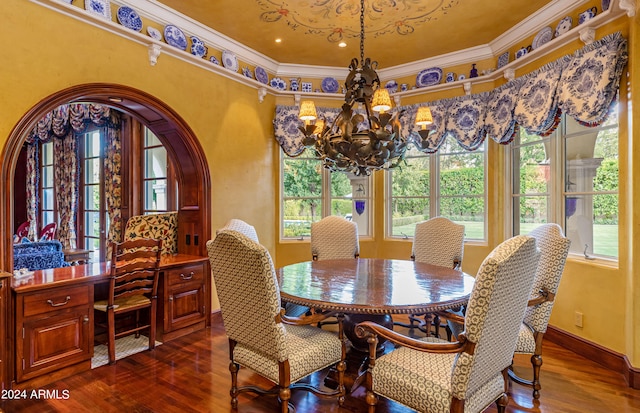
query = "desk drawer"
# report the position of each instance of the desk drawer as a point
(188, 273)
(55, 299)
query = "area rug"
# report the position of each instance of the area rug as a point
(125, 347)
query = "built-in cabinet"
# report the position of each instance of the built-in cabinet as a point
(54, 330)
(4, 322)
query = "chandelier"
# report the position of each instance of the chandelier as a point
(360, 143)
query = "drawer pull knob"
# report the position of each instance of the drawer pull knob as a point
(187, 277)
(50, 302)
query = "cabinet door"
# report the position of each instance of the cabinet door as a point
(186, 305)
(53, 341)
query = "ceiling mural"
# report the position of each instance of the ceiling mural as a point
(337, 20)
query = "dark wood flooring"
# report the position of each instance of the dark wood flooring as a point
(190, 374)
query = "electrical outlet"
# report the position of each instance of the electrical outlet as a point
(577, 319)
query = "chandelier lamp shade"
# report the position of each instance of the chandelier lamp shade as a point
(362, 141)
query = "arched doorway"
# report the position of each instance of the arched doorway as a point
(182, 146)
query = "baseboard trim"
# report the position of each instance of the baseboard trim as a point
(608, 358)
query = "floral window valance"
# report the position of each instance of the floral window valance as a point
(72, 117)
(582, 85)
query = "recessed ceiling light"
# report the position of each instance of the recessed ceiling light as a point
(278, 40)
(342, 44)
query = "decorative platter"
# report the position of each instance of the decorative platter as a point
(278, 83)
(175, 37)
(99, 7)
(129, 18)
(330, 85)
(429, 77)
(229, 60)
(197, 47)
(542, 37)
(503, 60)
(564, 26)
(154, 33)
(461, 77)
(261, 75)
(247, 72)
(391, 86)
(214, 60)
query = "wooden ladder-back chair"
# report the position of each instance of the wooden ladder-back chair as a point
(281, 349)
(468, 375)
(437, 241)
(133, 286)
(554, 248)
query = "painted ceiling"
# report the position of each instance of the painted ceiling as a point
(396, 31)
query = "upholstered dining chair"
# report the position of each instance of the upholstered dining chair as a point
(242, 227)
(334, 237)
(283, 350)
(554, 248)
(431, 374)
(437, 241)
(133, 286)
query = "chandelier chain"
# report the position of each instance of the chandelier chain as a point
(361, 31)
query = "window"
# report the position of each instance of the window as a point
(47, 191)
(92, 216)
(310, 192)
(570, 178)
(449, 183)
(156, 171)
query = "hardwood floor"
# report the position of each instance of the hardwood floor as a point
(190, 374)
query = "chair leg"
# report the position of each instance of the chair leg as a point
(152, 326)
(501, 403)
(536, 362)
(233, 368)
(111, 332)
(284, 395)
(137, 323)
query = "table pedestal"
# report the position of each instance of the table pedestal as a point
(360, 344)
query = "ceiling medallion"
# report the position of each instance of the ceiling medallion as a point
(355, 142)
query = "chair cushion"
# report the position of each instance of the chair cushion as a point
(309, 348)
(422, 381)
(526, 342)
(156, 226)
(121, 304)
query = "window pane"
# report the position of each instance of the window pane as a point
(92, 224)
(592, 223)
(467, 211)
(599, 171)
(155, 195)
(47, 217)
(47, 176)
(47, 198)
(406, 212)
(529, 212)
(47, 153)
(462, 174)
(298, 215)
(92, 171)
(92, 197)
(155, 163)
(340, 185)
(150, 139)
(534, 171)
(412, 179)
(302, 177)
(92, 145)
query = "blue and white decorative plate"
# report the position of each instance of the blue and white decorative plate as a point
(197, 47)
(391, 86)
(307, 87)
(154, 33)
(429, 77)
(175, 37)
(330, 85)
(229, 60)
(247, 72)
(214, 60)
(564, 26)
(542, 37)
(261, 75)
(99, 7)
(503, 59)
(278, 83)
(129, 18)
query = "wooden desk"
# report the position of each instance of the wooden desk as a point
(373, 289)
(77, 255)
(54, 313)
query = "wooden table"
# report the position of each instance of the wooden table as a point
(373, 289)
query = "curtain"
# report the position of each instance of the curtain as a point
(63, 125)
(582, 85)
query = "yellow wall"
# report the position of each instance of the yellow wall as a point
(53, 52)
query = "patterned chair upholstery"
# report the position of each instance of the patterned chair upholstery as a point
(433, 375)
(242, 227)
(554, 248)
(334, 237)
(259, 339)
(162, 226)
(437, 241)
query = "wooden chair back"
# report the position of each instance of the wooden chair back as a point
(48, 233)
